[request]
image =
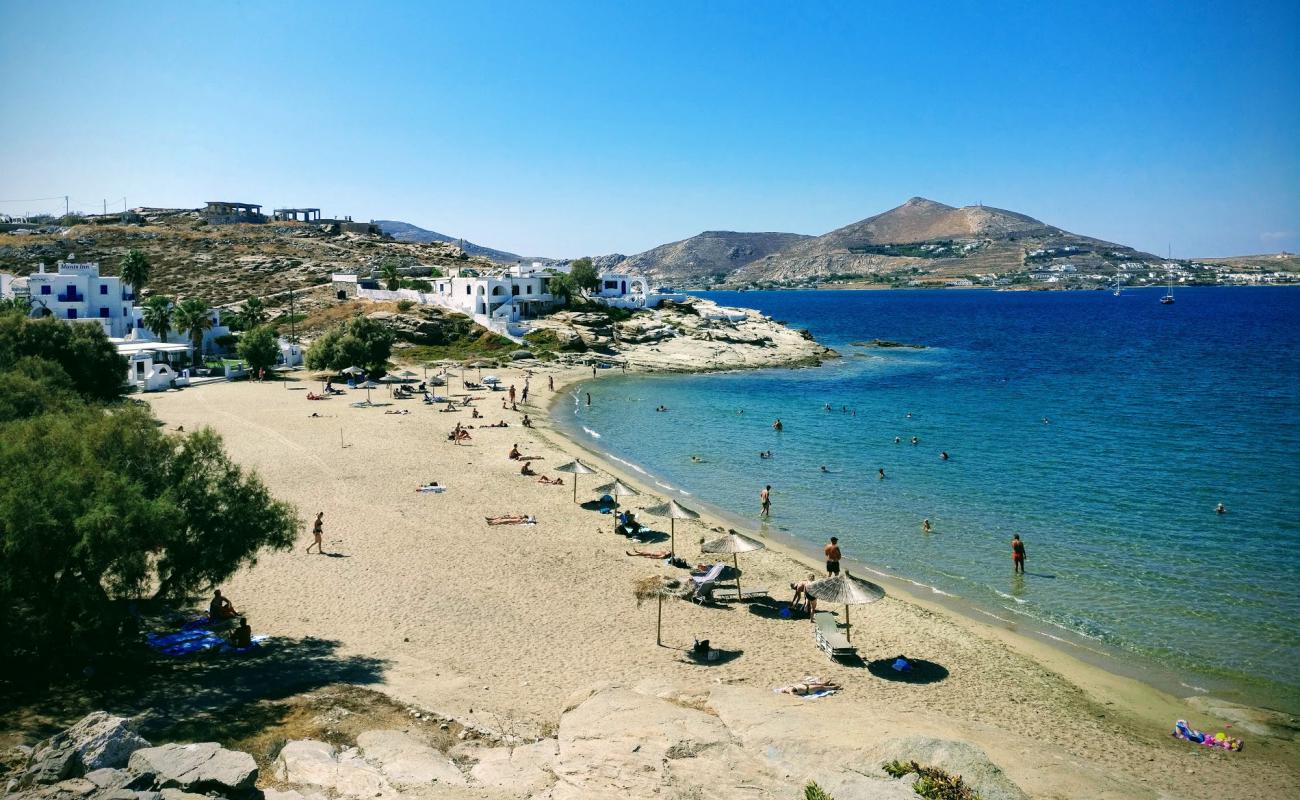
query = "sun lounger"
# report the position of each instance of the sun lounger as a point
(711, 576)
(729, 593)
(829, 638)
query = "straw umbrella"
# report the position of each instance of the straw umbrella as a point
(323, 375)
(658, 587)
(735, 544)
(674, 512)
(616, 490)
(576, 468)
(848, 590)
(368, 385)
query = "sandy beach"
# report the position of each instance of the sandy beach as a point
(499, 626)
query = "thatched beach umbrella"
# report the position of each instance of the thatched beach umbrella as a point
(406, 375)
(616, 490)
(368, 385)
(674, 512)
(735, 544)
(658, 587)
(575, 468)
(849, 591)
(323, 375)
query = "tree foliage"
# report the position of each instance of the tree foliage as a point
(97, 507)
(157, 316)
(584, 275)
(136, 270)
(191, 317)
(260, 348)
(392, 281)
(254, 313)
(83, 353)
(358, 342)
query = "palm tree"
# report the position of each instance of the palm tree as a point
(254, 313)
(392, 282)
(135, 270)
(157, 316)
(191, 317)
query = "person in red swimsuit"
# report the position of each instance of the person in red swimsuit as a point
(1017, 555)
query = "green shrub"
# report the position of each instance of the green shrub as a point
(932, 783)
(405, 305)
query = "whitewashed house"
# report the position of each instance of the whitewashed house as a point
(77, 292)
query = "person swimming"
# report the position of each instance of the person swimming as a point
(898, 440)
(696, 460)
(1219, 509)
(765, 454)
(777, 426)
(943, 455)
(915, 441)
(824, 468)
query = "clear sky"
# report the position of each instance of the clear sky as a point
(567, 129)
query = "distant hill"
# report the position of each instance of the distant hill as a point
(406, 232)
(712, 254)
(930, 239)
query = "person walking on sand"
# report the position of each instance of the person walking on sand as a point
(523, 398)
(833, 557)
(550, 382)
(1017, 555)
(318, 532)
(765, 502)
(512, 393)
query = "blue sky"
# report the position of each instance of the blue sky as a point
(565, 129)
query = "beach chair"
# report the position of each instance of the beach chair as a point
(711, 576)
(728, 593)
(826, 629)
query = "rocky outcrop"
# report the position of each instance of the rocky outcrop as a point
(200, 767)
(101, 758)
(100, 740)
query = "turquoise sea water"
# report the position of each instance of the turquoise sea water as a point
(1154, 414)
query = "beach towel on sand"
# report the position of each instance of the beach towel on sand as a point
(188, 642)
(1220, 740)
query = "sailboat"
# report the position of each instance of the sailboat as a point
(1119, 287)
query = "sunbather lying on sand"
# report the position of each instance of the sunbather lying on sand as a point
(403, 411)
(810, 686)
(550, 481)
(658, 555)
(512, 519)
(314, 396)
(432, 486)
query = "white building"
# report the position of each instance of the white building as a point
(149, 366)
(78, 292)
(503, 300)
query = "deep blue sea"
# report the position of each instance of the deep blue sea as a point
(1102, 429)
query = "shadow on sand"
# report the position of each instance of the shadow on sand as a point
(202, 697)
(921, 671)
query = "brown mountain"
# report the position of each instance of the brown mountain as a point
(711, 255)
(930, 239)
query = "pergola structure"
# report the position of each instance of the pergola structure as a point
(297, 214)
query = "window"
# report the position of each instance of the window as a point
(72, 313)
(103, 312)
(103, 288)
(514, 290)
(467, 288)
(45, 288)
(611, 284)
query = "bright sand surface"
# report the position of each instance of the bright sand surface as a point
(499, 625)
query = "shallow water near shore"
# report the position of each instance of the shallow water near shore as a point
(1102, 429)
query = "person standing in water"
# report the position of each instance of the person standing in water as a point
(776, 426)
(1017, 555)
(588, 398)
(881, 473)
(925, 526)
(765, 502)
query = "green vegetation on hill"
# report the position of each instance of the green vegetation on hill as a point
(100, 509)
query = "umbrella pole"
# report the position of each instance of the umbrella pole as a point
(659, 625)
(736, 560)
(672, 547)
(848, 625)
(575, 487)
(616, 513)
